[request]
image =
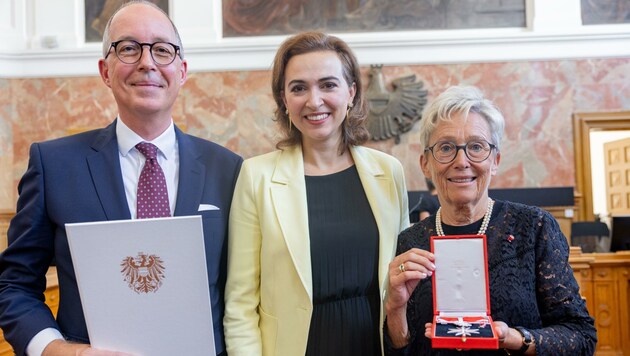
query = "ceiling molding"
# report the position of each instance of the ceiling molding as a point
(389, 48)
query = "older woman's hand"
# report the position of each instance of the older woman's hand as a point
(428, 330)
(501, 328)
(405, 272)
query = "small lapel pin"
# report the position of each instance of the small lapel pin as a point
(510, 238)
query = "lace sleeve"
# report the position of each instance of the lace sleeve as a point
(568, 328)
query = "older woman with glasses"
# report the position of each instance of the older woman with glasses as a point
(535, 302)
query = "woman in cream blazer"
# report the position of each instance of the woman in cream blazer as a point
(270, 287)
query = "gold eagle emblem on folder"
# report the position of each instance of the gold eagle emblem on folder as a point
(143, 273)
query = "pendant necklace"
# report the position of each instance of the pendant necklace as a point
(484, 223)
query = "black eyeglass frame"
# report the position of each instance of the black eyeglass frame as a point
(463, 148)
(142, 44)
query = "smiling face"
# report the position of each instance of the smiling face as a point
(461, 183)
(143, 90)
(317, 96)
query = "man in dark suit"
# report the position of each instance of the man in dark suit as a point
(93, 176)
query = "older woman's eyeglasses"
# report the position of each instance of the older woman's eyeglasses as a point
(130, 51)
(476, 151)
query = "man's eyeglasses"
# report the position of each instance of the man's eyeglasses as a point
(130, 51)
(476, 151)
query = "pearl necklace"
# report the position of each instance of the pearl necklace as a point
(484, 223)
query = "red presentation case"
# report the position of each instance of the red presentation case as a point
(461, 296)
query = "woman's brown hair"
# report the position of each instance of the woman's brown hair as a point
(353, 128)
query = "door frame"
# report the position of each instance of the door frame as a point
(583, 124)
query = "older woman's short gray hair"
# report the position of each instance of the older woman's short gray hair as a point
(461, 99)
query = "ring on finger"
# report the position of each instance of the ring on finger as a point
(402, 267)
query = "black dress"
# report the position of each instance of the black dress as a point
(344, 261)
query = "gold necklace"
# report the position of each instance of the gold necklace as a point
(484, 223)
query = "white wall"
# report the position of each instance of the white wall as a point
(46, 38)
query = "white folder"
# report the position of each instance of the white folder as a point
(144, 285)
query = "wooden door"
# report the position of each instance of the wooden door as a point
(617, 162)
(583, 125)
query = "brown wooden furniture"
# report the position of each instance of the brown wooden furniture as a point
(5, 218)
(52, 300)
(583, 124)
(604, 280)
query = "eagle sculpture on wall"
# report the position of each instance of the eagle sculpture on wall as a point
(393, 113)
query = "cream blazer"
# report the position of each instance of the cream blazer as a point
(269, 293)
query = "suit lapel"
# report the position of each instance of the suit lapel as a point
(105, 170)
(288, 193)
(377, 188)
(191, 176)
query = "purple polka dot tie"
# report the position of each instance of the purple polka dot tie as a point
(152, 199)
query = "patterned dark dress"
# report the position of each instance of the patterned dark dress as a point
(531, 284)
(344, 259)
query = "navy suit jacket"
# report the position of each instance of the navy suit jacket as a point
(78, 179)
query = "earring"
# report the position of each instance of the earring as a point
(289, 116)
(348, 110)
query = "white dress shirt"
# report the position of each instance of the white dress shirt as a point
(132, 161)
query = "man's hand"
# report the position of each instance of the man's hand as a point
(65, 348)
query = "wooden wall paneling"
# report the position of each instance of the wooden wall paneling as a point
(5, 348)
(610, 305)
(583, 124)
(606, 316)
(5, 219)
(623, 277)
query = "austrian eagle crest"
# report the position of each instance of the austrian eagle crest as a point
(392, 114)
(143, 273)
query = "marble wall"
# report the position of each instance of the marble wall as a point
(235, 109)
